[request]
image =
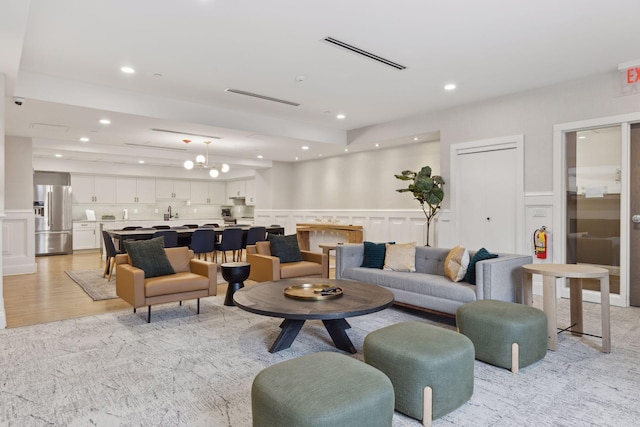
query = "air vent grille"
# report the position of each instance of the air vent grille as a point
(186, 133)
(155, 147)
(267, 98)
(364, 53)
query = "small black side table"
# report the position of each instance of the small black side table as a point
(235, 273)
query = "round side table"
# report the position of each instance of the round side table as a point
(235, 273)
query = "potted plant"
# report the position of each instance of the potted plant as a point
(426, 189)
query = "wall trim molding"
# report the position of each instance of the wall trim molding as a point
(18, 243)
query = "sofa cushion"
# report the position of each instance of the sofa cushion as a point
(374, 255)
(179, 258)
(481, 255)
(149, 256)
(298, 269)
(400, 257)
(285, 247)
(174, 284)
(263, 248)
(456, 263)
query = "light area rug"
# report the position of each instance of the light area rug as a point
(187, 370)
(99, 288)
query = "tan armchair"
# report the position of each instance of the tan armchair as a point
(194, 278)
(265, 267)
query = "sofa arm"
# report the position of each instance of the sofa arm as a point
(318, 258)
(348, 255)
(501, 278)
(264, 268)
(130, 285)
(207, 269)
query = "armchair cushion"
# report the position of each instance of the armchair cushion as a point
(149, 256)
(285, 247)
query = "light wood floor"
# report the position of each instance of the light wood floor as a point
(50, 294)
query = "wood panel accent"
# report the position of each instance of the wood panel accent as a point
(354, 232)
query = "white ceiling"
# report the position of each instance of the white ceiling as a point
(64, 58)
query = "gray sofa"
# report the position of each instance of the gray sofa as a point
(428, 288)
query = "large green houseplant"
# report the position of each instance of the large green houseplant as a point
(426, 189)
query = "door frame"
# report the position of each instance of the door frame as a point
(559, 201)
(515, 142)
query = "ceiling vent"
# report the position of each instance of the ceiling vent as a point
(186, 133)
(267, 98)
(364, 53)
(155, 147)
(46, 127)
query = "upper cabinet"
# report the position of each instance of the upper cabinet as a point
(93, 189)
(208, 192)
(236, 188)
(173, 189)
(135, 190)
(249, 192)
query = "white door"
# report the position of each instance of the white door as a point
(487, 181)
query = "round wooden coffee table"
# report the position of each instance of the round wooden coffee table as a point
(268, 299)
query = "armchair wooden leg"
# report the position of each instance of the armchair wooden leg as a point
(198, 306)
(134, 310)
(149, 315)
(113, 265)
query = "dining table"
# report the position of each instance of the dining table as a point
(184, 234)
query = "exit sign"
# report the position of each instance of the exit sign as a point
(630, 78)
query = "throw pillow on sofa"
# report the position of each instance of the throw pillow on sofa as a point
(456, 263)
(374, 254)
(285, 247)
(400, 257)
(481, 255)
(149, 256)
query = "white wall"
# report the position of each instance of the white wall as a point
(18, 173)
(3, 319)
(532, 113)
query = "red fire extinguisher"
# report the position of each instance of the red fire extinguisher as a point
(540, 241)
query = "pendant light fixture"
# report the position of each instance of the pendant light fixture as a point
(202, 162)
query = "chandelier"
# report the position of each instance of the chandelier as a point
(202, 162)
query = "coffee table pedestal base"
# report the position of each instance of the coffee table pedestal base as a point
(335, 327)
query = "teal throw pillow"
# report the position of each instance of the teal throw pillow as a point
(285, 247)
(374, 255)
(149, 256)
(481, 255)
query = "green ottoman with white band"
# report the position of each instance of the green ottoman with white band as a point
(431, 368)
(321, 390)
(504, 334)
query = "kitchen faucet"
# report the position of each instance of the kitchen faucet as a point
(169, 210)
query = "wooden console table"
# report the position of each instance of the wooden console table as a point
(354, 232)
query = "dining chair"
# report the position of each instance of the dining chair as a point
(231, 240)
(203, 241)
(170, 237)
(111, 253)
(253, 235)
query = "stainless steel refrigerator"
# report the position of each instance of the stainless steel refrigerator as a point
(54, 227)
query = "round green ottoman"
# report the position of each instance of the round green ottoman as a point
(424, 363)
(504, 334)
(321, 389)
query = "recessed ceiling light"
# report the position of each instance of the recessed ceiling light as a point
(84, 139)
(319, 155)
(341, 117)
(105, 121)
(416, 138)
(141, 161)
(377, 145)
(304, 147)
(346, 149)
(296, 158)
(582, 137)
(58, 155)
(449, 86)
(260, 156)
(127, 70)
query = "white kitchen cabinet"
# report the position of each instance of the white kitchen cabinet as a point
(173, 189)
(86, 235)
(235, 188)
(249, 192)
(208, 193)
(135, 190)
(93, 189)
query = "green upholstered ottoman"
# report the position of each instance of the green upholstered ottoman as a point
(321, 389)
(431, 368)
(504, 334)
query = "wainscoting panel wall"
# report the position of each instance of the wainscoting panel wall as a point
(18, 242)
